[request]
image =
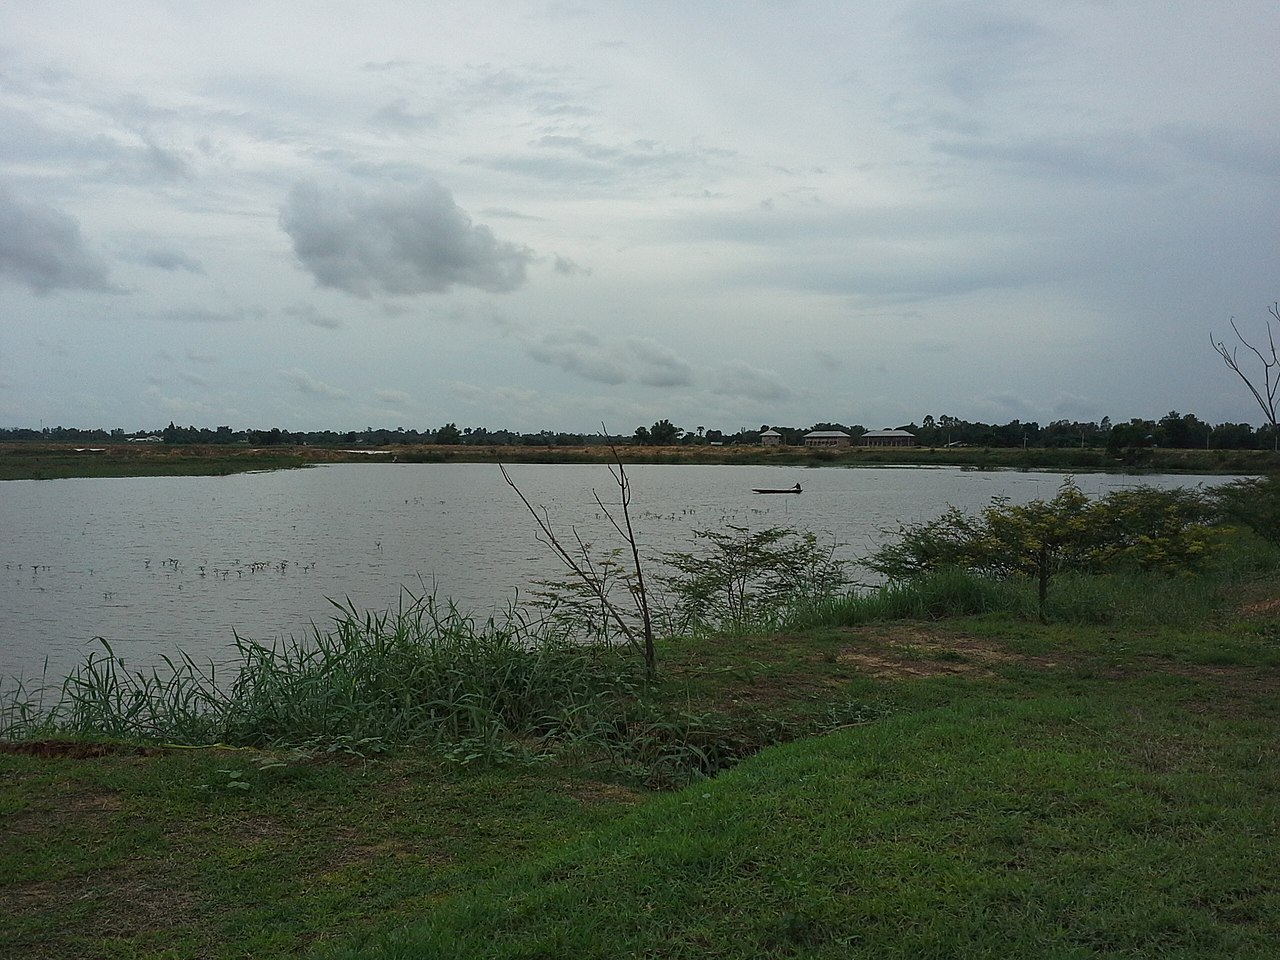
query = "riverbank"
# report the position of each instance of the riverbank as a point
(53, 461)
(984, 786)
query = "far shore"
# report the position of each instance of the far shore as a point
(39, 461)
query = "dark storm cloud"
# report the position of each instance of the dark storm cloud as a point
(397, 241)
(42, 248)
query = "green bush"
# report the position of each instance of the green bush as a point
(1253, 502)
(1143, 528)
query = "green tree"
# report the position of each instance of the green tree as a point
(663, 433)
(741, 578)
(1143, 527)
(1253, 502)
(449, 434)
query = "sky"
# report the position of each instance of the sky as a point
(553, 215)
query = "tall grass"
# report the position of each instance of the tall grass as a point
(419, 673)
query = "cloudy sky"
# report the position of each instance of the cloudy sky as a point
(551, 214)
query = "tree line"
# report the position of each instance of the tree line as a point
(1175, 430)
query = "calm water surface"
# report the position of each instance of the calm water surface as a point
(161, 564)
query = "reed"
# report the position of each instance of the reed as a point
(421, 673)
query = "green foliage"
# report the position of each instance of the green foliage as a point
(663, 433)
(419, 674)
(1253, 502)
(449, 434)
(743, 579)
(1142, 528)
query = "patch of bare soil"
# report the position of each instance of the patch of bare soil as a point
(595, 791)
(917, 652)
(1261, 608)
(75, 749)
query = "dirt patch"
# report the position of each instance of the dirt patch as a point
(889, 666)
(593, 792)
(1262, 608)
(75, 749)
(917, 652)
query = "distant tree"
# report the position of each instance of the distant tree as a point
(449, 434)
(642, 436)
(1233, 436)
(1182, 431)
(1136, 433)
(1265, 389)
(664, 433)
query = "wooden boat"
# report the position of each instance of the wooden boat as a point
(795, 489)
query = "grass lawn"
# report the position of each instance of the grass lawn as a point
(989, 787)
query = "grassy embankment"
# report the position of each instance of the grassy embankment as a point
(50, 461)
(947, 777)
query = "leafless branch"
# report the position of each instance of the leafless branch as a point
(585, 570)
(1267, 390)
(586, 573)
(619, 474)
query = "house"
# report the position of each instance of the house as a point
(827, 438)
(888, 438)
(771, 438)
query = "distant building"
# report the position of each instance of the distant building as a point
(771, 438)
(827, 438)
(888, 438)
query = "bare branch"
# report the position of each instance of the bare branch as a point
(588, 576)
(1265, 391)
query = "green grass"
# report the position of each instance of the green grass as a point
(49, 462)
(1068, 825)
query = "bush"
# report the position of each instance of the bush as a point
(1253, 502)
(1142, 529)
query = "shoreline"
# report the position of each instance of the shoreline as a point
(27, 461)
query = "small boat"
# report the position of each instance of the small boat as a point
(795, 489)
